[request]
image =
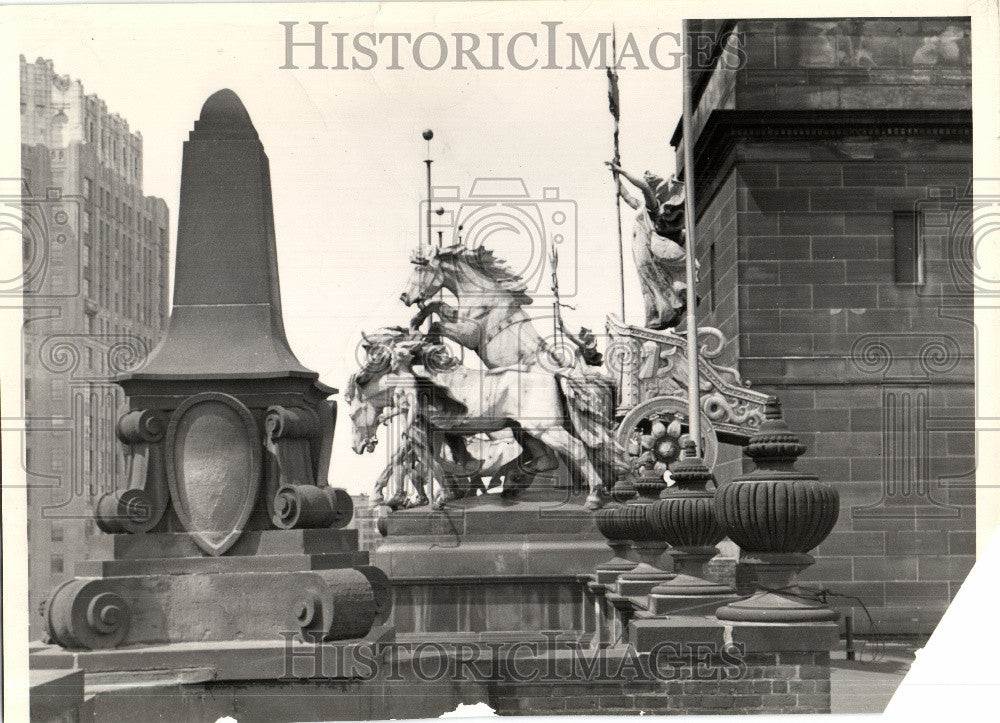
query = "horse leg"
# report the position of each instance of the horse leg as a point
(573, 450)
(537, 457)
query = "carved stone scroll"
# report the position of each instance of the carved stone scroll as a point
(335, 605)
(297, 445)
(140, 506)
(87, 613)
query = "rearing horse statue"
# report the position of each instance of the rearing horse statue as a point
(490, 321)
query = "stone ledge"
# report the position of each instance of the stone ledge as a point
(54, 693)
(205, 565)
(488, 561)
(251, 542)
(645, 633)
(180, 663)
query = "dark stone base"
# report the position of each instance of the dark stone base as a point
(489, 565)
(699, 666)
(769, 607)
(161, 588)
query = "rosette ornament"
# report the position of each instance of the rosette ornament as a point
(685, 518)
(776, 514)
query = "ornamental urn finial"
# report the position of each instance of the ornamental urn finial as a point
(684, 517)
(776, 514)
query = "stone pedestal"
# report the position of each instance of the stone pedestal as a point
(226, 528)
(775, 599)
(490, 565)
(161, 588)
(689, 592)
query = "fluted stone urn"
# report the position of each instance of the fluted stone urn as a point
(645, 541)
(611, 523)
(684, 517)
(776, 514)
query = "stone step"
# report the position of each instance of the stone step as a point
(251, 542)
(201, 565)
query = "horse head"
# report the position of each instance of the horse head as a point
(376, 392)
(367, 391)
(469, 273)
(426, 280)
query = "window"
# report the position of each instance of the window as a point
(86, 188)
(56, 564)
(56, 534)
(908, 250)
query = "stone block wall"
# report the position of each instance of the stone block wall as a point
(809, 158)
(768, 683)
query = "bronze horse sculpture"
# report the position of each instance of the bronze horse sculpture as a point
(411, 376)
(489, 320)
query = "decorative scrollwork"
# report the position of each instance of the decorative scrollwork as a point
(734, 408)
(87, 613)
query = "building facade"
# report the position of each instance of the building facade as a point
(833, 163)
(95, 279)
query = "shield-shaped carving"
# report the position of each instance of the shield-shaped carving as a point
(213, 468)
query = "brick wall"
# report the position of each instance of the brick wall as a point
(769, 683)
(849, 351)
(766, 682)
(826, 131)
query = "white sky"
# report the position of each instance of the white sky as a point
(346, 155)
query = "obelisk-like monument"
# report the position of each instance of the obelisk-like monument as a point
(226, 319)
(228, 438)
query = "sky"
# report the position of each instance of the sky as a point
(345, 146)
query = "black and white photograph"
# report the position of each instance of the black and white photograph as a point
(396, 360)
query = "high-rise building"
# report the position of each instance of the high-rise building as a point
(95, 275)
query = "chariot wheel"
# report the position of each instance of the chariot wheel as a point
(655, 430)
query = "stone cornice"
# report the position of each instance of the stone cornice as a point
(724, 128)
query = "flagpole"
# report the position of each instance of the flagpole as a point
(694, 401)
(615, 113)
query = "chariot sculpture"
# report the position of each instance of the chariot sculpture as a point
(533, 400)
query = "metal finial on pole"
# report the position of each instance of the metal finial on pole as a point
(427, 135)
(694, 401)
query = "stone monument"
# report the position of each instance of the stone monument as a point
(226, 528)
